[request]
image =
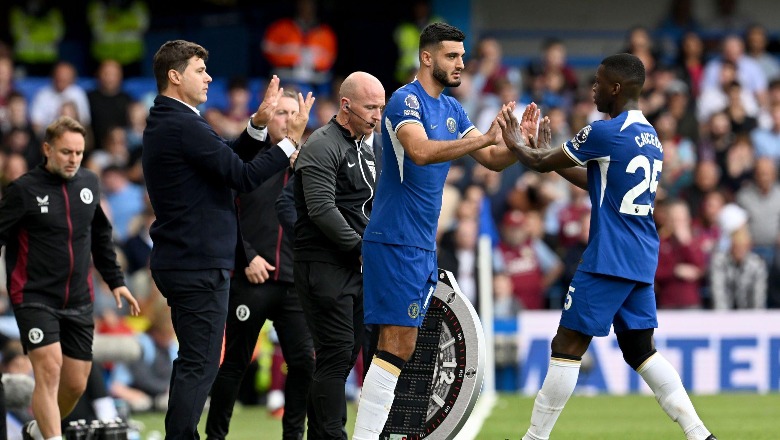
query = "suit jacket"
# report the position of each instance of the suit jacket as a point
(190, 174)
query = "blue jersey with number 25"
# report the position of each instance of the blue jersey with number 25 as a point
(624, 159)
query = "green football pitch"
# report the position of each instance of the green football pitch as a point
(729, 416)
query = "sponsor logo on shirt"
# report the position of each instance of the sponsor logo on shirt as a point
(43, 203)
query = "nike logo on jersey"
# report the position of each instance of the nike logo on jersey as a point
(350, 164)
(433, 127)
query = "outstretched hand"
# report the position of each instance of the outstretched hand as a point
(519, 134)
(267, 108)
(124, 292)
(297, 123)
(545, 135)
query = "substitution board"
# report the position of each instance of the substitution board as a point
(439, 386)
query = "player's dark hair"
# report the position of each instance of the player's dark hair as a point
(435, 33)
(626, 67)
(174, 55)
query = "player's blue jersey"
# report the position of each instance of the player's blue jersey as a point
(624, 159)
(408, 199)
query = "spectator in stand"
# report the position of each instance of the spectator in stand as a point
(678, 22)
(37, 28)
(717, 98)
(125, 200)
(716, 140)
(407, 38)
(136, 115)
(117, 29)
(743, 120)
(748, 73)
(690, 61)
(231, 121)
(48, 101)
(113, 151)
(108, 103)
(767, 141)
(572, 251)
(529, 262)
(679, 156)
(553, 61)
(302, 49)
(680, 105)
(706, 232)
(706, 178)
(19, 135)
(457, 253)
(681, 262)
(640, 43)
(487, 67)
(740, 163)
(14, 167)
(738, 276)
(144, 384)
(6, 86)
(756, 42)
(761, 200)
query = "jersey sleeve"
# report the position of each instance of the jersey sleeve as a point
(464, 123)
(589, 143)
(404, 108)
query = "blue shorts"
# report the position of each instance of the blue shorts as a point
(595, 302)
(398, 282)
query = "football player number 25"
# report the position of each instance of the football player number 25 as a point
(650, 182)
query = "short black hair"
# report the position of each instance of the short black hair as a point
(437, 32)
(174, 55)
(626, 67)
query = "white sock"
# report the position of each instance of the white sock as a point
(558, 385)
(376, 399)
(275, 400)
(56, 437)
(105, 408)
(34, 431)
(665, 382)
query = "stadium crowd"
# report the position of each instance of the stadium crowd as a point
(714, 102)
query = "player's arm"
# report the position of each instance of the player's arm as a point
(537, 154)
(498, 157)
(424, 151)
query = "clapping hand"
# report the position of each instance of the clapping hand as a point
(267, 108)
(297, 123)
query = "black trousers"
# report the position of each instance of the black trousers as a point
(250, 305)
(332, 300)
(198, 301)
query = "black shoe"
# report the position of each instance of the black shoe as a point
(26, 430)
(711, 437)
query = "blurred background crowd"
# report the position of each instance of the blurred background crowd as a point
(712, 93)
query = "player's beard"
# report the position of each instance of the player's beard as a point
(443, 78)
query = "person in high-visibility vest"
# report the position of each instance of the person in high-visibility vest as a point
(301, 49)
(118, 32)
(37, 32)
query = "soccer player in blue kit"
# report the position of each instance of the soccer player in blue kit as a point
(423, 131)
(613, 285)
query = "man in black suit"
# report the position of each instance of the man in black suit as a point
(191, 174)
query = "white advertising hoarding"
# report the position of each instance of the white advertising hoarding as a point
(737, 351)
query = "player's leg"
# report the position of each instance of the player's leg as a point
(47, 365)
(39, 329)
(590, 305)
(636, 342)
(73, 382)
(248, 308)
(76, 337)
(399, 281)
(298, 350)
